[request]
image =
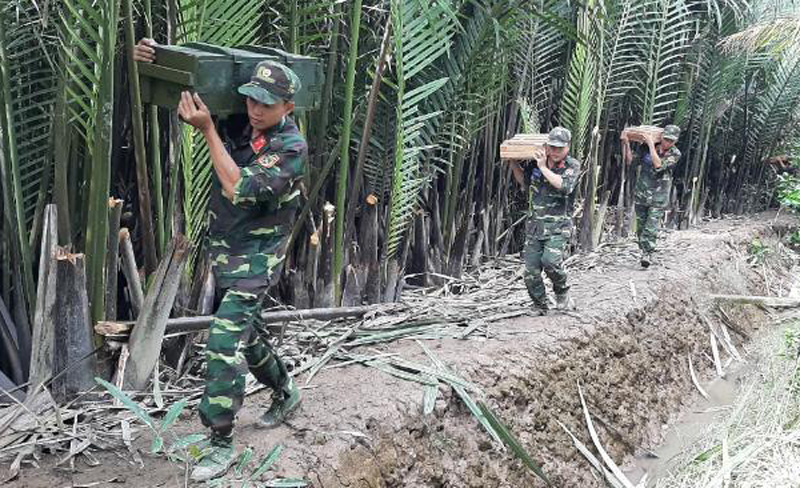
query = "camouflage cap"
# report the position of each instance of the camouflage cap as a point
(271, 83)
(559, 137)
(671, 132)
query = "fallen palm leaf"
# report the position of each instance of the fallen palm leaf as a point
(596, 464)
(715, 353)
(596, 440)
(513, 443)
(695, 380)
(430, 396)
(286, 483)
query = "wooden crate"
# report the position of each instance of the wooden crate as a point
(637, 133)
(522, 146)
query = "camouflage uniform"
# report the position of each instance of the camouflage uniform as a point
(652, 195)
(548, 230)
(248, 234)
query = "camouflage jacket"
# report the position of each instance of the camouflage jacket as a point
(551, 208)
(254, 224)
(654, 185)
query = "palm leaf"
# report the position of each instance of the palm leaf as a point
(775, 107)
(671, 25)
(28, 93)
(422, 35)
(580, 91)
(88, 35)
(539, 53)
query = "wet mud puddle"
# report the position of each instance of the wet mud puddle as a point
(689, 426)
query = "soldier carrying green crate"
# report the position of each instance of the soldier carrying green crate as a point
(253, 206)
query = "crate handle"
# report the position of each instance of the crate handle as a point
(177, 76)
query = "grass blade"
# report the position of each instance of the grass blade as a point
(267, 463)
(172, 414)
(128, 402)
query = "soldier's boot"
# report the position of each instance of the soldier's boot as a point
(646, 260)
(284, 402)
(539, 308)
(564, 301)
(215, 463)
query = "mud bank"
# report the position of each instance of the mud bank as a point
(628, 348)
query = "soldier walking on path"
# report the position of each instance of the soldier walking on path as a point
(549, 226)
(252, 207)
(653, 186)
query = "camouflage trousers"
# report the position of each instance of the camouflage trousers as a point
(648, 219)
(235, 345)
(545, 254)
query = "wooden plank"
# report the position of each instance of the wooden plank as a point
(637, 133)
(147, 335)
(75, 363)
(43, 343)
(774, 302)
(522, 146)
(189, 324)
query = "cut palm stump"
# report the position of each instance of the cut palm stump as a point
(639, 132)
(522, 146)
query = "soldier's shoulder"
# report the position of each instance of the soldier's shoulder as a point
(291, 139)
(674, 151)
(573, 162)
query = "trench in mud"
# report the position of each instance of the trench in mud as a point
(690, 425)
(631, 361)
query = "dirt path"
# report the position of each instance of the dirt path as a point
(627, 344)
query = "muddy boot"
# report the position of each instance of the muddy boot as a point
(646, 260)
(284, 402)
(564, 301)
(215, 463)
(539, 309)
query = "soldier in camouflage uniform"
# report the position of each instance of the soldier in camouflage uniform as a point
(549, 225)
(653, 186)
(253, 205)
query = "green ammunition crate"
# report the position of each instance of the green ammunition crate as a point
(216, 72)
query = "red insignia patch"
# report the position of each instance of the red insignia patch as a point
(258, 143)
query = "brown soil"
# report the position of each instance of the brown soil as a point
(359, 427)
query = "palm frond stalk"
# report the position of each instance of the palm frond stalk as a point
(344, 157)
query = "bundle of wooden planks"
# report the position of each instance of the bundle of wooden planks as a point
(638, 133)
(522, 146)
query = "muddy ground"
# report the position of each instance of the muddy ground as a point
(627, 346)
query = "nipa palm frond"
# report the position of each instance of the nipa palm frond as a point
(32, 96)
(540, 54)
(580, 92)
(671, 25)
(88, 33)
(422, 34)
(776, 106)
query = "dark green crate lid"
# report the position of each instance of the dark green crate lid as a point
(216, 72)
